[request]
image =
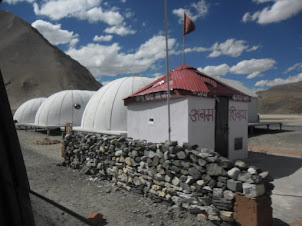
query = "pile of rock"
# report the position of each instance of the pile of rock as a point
(198, 180)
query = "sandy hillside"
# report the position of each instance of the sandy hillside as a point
(32, 67)
(282, 99)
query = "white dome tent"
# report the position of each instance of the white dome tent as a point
(62, 107)
(105, 112)
(26, 113)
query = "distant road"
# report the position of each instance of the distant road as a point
(287, 120)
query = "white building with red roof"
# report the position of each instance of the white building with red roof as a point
(203, 111)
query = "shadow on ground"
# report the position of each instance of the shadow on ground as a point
(278, 166)
(278, 222)
(262, 131)
(48, 214)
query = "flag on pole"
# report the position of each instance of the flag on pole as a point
(189, 26)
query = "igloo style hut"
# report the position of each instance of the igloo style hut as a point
(26, 113)
(203, 111)
(66, 106)
(105, 112)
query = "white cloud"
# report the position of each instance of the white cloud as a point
(123, 1)
(294, 67)
(221, 70)
(54, 34)
(16, 1)
(253, 65)
(189, 50)
(109, 60)
(82, 9)
(254, 75)
(180, 14)
(250, 17)
(279, 81)
(254, 48)
(196, 49)
(252, 68)
(73, 42)
(129, 14)
(279, 11)
(261, 83)
(157, 75)
(262, 1)
(120, 30)
(154, 48)
(246, 17)
(230, 47)
(199, 9)
(102, 38)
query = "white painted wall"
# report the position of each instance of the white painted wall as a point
(139, 126)
(253, 109)
(238, 128)
(201, 124)
(192, 121)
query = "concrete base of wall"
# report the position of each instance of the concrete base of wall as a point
(253, 211)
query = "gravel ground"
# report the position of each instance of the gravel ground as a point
(286, 170)
(83, 194)
(289, 139)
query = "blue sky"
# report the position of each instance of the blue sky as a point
(256, 42)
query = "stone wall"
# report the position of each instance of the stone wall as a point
(202, 182)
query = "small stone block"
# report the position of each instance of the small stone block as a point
(227, 216)
(202, 217)
(234, 172)
(253, 190)
(234, 185)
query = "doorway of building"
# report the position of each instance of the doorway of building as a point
(222, 126)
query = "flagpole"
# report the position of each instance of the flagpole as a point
(183, 50)
(168, 76)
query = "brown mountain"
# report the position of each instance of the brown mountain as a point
(32, 67)
(283, 99)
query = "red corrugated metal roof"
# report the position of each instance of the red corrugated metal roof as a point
(183, 78)
(188, 78)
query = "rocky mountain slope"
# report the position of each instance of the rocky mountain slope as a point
(283, 99)
(32, 67)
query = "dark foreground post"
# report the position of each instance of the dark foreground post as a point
(15, 206)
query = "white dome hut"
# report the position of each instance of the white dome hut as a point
(105, 111)
(26, 113)
(62, 107)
